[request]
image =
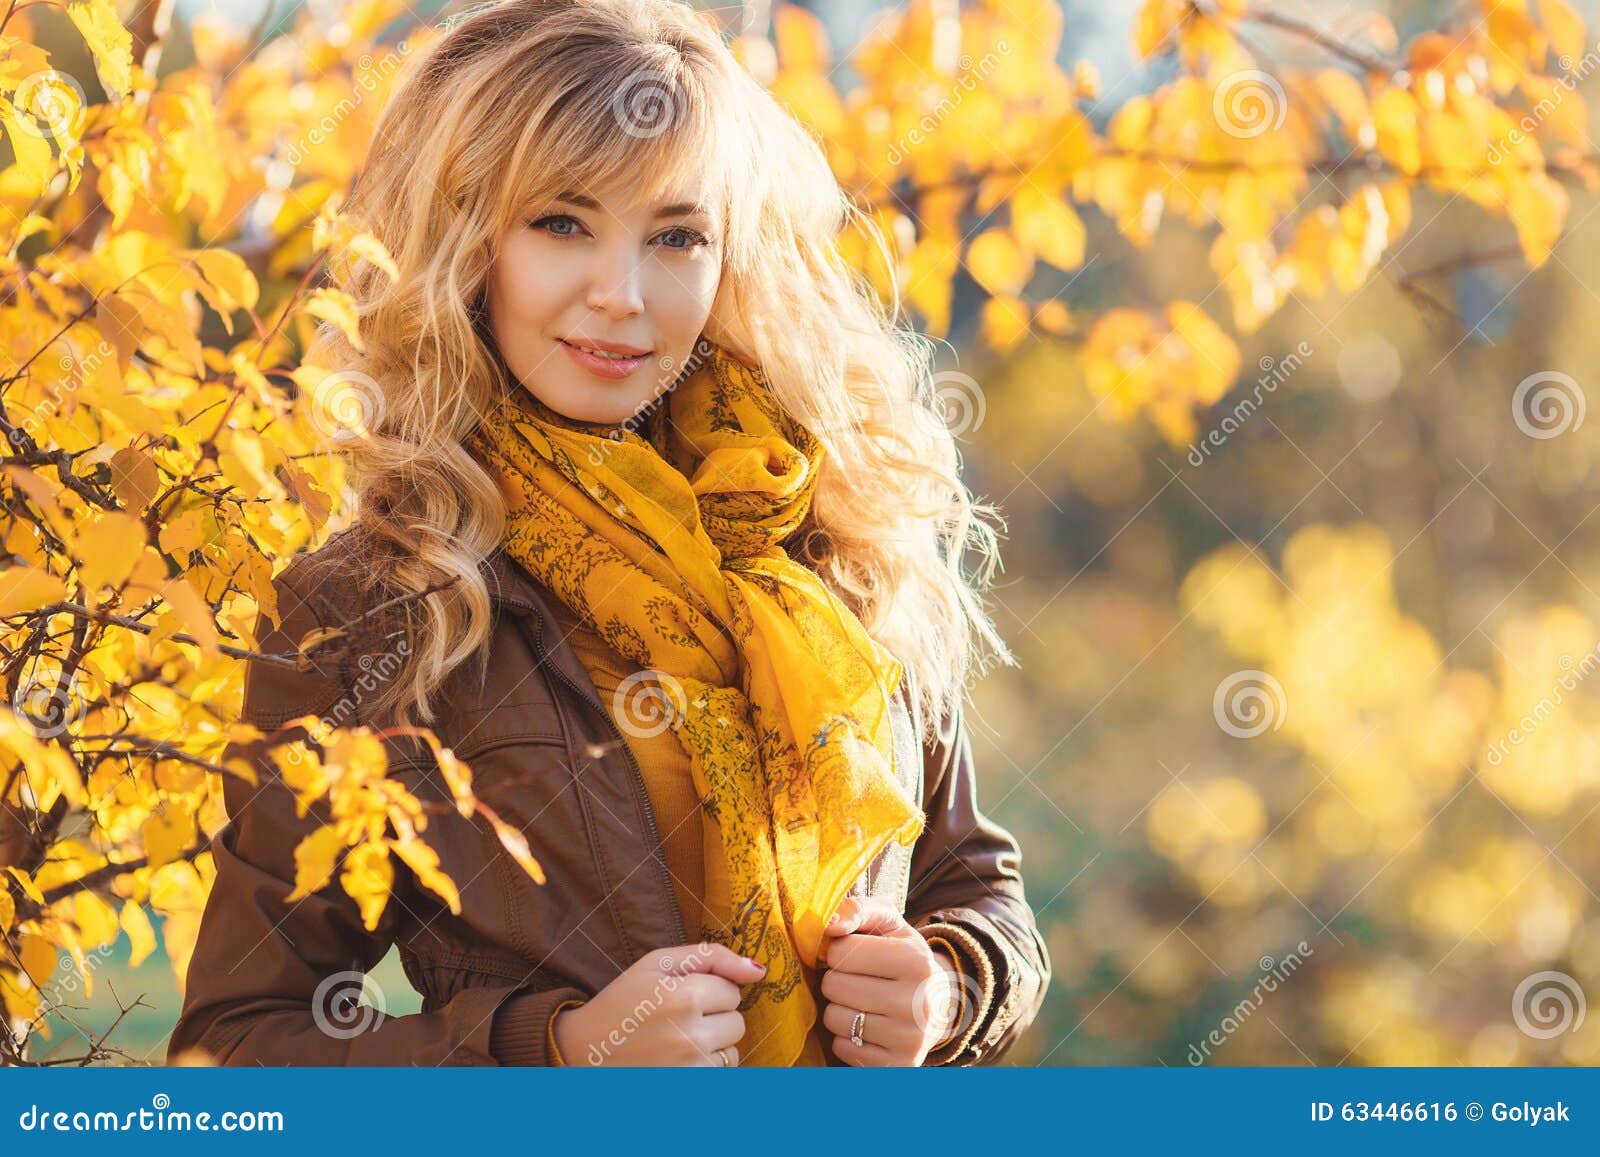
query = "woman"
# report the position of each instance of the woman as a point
(637, 445)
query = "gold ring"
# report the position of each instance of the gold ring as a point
(723, 1053)
(857, 1023)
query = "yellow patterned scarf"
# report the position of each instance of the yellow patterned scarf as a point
(666, 543)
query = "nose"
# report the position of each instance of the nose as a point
(615, 287)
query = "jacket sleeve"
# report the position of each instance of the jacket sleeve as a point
(276, 983)
(966, 889)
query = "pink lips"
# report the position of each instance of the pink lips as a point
(613, 368)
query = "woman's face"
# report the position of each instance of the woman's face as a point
(597, 300)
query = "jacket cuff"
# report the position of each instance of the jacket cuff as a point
(977, 981)
(550, 1032)
(522, 1034)
(963, 1001)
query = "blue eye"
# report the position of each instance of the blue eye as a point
(692, 237)
(545, 222)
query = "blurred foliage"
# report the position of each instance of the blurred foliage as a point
(1274, 390)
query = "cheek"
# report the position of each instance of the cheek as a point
(680, 297)
(524, 288)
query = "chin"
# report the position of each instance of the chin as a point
(584, 406)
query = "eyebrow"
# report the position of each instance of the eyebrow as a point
(676, 209)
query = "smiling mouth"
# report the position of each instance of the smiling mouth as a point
(608, 354)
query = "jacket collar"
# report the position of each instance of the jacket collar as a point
(513, 587)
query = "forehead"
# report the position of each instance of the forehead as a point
(603, 157)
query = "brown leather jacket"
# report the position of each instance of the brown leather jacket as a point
(547, 757)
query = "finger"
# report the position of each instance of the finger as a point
(869, 955)
(837, 1019)
(869, 914)
(866, 1054)
(718, 959)
(878, 1029)
(719, 1030)
(708, 993)
(865, 993)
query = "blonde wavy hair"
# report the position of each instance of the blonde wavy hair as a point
(521, 100)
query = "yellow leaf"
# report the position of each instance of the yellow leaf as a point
(801, 39)
(1394, 113)
(337, 307)
(96, 920)
(1054, 318)
(109, 43)
(1155, 24)
(458, 775)
(367, 246)
(424, 864)
(235, 286)
(194, 612)
(1048, 226)
(368, 879)
(1216, 357)
(517, 844)
(30, 148)
(168, 834)
(998, 263)
(1564, 28)
(8, 911)
(1537, 206)
(141, 935)
(38, 958)
(29, 888)
(1005, 323)
(26, 588)
(933, 263)
(135, 478)
(1342, 93)
(108, 548)
(314, 860)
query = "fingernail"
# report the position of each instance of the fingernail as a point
(755, 963)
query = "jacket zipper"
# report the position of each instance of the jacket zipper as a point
(633, 765)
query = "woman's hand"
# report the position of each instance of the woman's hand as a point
(675, 1006)
(877, 963)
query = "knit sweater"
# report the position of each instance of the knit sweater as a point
(664, 767)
